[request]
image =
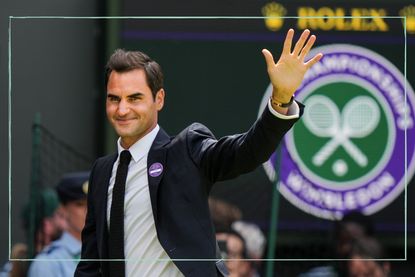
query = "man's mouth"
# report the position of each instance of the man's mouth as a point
(123, 121)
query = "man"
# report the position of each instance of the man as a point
(60, 258)
(162, 192)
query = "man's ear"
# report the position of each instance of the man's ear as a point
(160, 99)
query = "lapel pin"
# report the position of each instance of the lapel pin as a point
(155, 169)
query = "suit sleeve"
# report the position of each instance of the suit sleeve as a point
(87, 268)
(233, 155)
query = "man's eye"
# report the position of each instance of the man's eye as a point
(113, 99)
(134, 99)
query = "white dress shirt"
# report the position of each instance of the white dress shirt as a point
(143, 252)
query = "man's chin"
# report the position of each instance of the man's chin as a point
(123, 131)
(125, 134)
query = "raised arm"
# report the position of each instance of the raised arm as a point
(287, 74)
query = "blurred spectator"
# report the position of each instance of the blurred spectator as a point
(223, 213)
(5, 270)
(16, 268)
(237, 236)
(62, 255)
(48, 219)
(233, 250)
(353, 226)
(367, 259)
(254, 238)
(19, 268)
(321, 271)
(48, 227)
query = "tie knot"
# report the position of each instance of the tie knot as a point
(125, 157)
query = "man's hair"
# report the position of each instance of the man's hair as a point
(124, 61)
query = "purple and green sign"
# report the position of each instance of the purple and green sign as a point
(348, 150)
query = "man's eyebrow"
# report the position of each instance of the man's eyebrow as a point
(112, 95)
(136, 94)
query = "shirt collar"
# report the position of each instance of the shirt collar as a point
(142, 146)
(70, 243)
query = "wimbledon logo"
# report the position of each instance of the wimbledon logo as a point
(348, 150)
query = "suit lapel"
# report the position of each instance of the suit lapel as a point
(156, 167)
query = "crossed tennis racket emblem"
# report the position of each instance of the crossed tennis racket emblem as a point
(359, 118)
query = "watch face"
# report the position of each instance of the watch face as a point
(283, 105)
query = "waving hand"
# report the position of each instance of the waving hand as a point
(287, 74)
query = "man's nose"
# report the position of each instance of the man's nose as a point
(123, 108)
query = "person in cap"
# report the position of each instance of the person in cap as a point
(61, 257)
(48, 220)
(42, 224)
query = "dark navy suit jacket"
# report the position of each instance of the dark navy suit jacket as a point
(192, 162)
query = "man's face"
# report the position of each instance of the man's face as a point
(130, 106)
(75, 214)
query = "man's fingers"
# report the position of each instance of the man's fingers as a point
(269, 59)
(300, 43)
(315, 59)
(307, 47)
(287, 43)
